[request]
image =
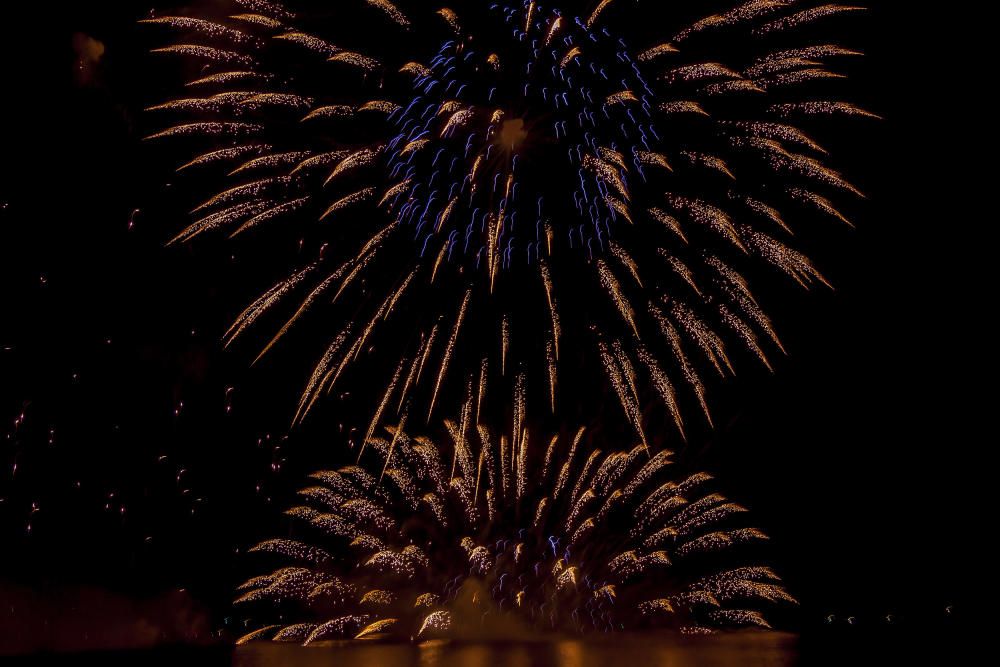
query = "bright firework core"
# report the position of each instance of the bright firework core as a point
(590, 106)
(513, 133)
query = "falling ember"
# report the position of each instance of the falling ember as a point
(514, 141)
(386, 558)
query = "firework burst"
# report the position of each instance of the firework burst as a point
(530, 187)
(488, 535)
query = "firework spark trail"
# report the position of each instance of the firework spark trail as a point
(225, 155)
(613, 287)
(392, 10)
(553, 309)
(555, 562)
(208, 53)
(553, 357)
(670, 334)
(449, 351)
(748, 11)
(518, 136)
(622, 385)
(209, 28)
(320, 376)
(665, 388)
(804, 17)
(314, 44)
(258, 19)
(264, 303)
(221, 218)
(270, 161)
(311, 298)
(381, 408)
(822, 108)
(209, 129)
(481, 393)
(216, 103)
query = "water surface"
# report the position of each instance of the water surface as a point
(752, 650)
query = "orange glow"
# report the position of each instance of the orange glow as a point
(513, 133)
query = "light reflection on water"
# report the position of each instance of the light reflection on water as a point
(757, 650)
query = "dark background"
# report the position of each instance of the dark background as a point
(138, 459)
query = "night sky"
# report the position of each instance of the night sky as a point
(138, 459)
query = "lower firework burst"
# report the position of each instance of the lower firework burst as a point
(492, 536)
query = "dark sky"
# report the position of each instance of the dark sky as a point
(133, 447)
